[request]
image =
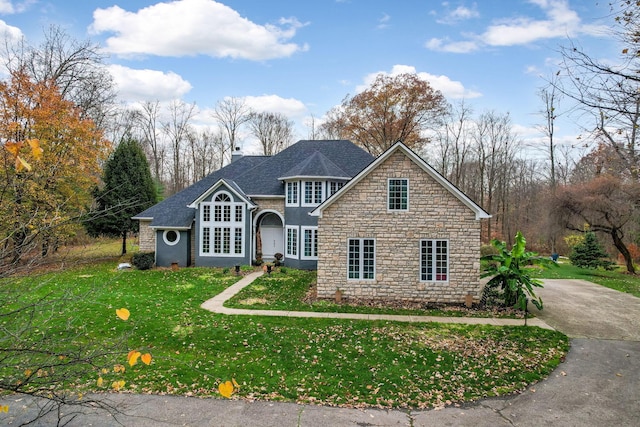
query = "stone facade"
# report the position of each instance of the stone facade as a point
(146, 237)
(434, 213)
(268, 204)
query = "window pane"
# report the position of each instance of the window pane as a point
(398, 192)
(308, 192)
(226, 243)
(238, 241)
(317, 192)
(368, 255)
(206, 213)
(206, 236)
(238, 213)
(227, 213)
(354, 259)
(292, 242)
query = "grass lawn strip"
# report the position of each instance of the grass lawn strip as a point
(324, 361)
(289, 290)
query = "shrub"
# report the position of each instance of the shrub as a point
(143, 260)
(589, 254)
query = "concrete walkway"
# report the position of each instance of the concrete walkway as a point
(216, 305)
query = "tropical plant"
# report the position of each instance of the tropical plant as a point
(510, 275)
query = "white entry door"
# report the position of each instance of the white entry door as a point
(272, 241)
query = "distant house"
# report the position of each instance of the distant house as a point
(388, 228)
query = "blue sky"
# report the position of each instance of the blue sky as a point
(301, 58)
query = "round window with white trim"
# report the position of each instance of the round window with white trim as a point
(171, 237)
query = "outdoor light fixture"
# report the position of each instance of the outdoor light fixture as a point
(237, 269)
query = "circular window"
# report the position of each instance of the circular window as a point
(171, 237)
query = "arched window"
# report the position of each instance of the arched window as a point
(222, 234)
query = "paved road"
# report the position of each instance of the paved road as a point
(598, 384)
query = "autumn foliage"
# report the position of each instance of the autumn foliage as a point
(49, 161)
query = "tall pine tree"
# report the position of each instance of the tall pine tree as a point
(128, 189)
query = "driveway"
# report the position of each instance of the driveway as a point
(583, 309)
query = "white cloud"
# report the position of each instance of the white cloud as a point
(9, 7)
(148, 85)
(290, 107)
(383, 23)
(194, 27)
(460, 13)
(451, 89)
(9, 36)
(561, 21)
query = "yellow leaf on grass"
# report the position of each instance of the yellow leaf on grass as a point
(118, 368)
(235, 384)
(100, 382)
(133, 356)
(123, 313)
(117, 385)
(226, 389)
(146, 358)
(28, 372)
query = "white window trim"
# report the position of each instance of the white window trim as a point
(232, 225)
(375, 256)
(166, 241)
(323, 190)
(287, 202)
(434, 261)
(297, 242)
(302, 240)
(408, 193)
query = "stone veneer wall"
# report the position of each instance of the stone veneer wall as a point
(146, 237)
(268, 204)
(433, 213)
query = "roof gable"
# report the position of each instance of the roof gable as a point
(230, 185)
(399, 146)
(316, 166)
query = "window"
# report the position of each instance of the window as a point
(171, 237)
(292, 193)
(434, 260)
(361, 259)
(292, 242)
(222, 234)
(310, 241)
(398, 195)
(334, 186)
(313, 193)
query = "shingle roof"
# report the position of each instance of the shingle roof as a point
(260, 176)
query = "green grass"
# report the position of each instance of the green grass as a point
(287, 291)
(323, 361)
(616, 279)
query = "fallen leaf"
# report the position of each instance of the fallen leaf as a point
(123, 313)
(226, 389)
(133, 356)
(146, 358)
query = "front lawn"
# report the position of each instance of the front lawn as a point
(617, 279)
(323, 361)
(291, 291)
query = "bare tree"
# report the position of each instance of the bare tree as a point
(207, 148)
(231, 114)
(273, 130)
(76, 67)
(177, 128)
(550, 97)
(148, 123)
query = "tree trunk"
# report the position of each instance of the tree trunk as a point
(619, 244)
(124, 242)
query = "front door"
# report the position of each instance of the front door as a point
(272, 235)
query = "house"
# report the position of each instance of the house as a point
(255, 207)
(384, 228)
(399, 230)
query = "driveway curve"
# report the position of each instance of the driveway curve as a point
(582, 309)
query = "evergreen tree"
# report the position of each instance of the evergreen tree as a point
(128, 189)
(589, 253)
